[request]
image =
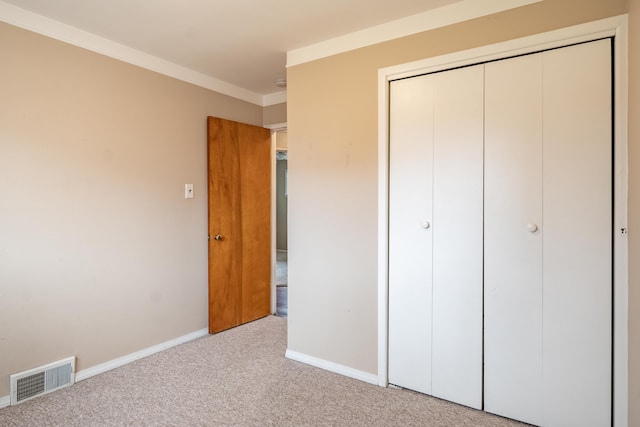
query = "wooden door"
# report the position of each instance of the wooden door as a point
(548, 234)
(239, 177)
(435, 235)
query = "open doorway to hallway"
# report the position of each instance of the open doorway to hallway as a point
(281, 196)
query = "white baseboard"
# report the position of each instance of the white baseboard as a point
(121, 361)
(332, 367)
(5, 401)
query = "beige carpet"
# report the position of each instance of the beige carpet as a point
(236, 378)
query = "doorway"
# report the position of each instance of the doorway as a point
(281, 248)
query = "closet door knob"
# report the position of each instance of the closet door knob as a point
(532, 228)
(426, 225)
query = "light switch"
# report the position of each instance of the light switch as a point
(188, 191)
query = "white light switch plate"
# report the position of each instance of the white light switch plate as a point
(188, 191)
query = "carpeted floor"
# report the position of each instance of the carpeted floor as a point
(236, 378)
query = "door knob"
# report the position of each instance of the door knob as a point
(426, 225)
(532, 228)
(217, 237)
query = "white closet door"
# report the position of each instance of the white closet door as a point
(548, 288)
(513, 252)
(410, 243)
(577, 210)
(457, 236)
(435, 235)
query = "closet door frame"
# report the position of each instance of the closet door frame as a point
(615, 27)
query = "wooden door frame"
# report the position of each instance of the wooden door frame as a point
(616, 27)
(274, 128)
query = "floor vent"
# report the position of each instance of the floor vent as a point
(44, 379)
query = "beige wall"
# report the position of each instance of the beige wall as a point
(634, 213)
(274, 114)
(282, 140)
(100, 254)
(333, 151)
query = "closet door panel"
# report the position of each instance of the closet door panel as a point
(410, 244)
(577, 235)
(513, 249)
(457, 235)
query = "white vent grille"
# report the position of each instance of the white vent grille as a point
(44, 379)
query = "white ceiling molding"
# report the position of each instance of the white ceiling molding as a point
(42, 25)
(456, 12)
(274, 98)
(276, 127)
(429, 20)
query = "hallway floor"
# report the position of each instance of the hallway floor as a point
(282, 303)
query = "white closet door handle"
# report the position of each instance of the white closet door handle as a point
(532, 228)
(426, 225)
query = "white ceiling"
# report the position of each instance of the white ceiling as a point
(242, 42)
(237, 47)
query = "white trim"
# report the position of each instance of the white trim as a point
(441, 17)
(332, 367)
(57, 30)
(274, 233)
(274, 99)
(124, 360)
(277, 126)
(5, 401)
(383, 228)
(615, 26)
(620, 220)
